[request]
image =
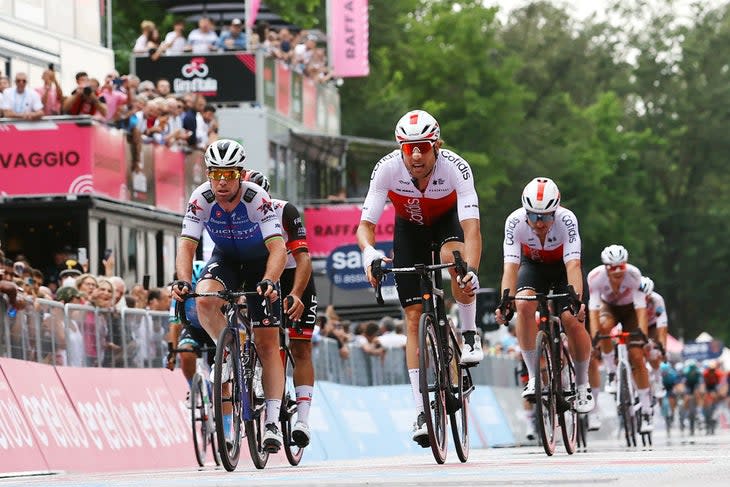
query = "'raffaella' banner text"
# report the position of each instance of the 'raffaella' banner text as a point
(329, 227)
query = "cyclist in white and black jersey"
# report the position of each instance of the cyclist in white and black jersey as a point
(432, 191)
(297, 281)
(616, 297)
(249, 251)
(656, 312)
(542, 252)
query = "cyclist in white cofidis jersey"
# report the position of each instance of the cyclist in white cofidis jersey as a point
(656, 312)
(616, 297)
(432, 190)
(542, 251)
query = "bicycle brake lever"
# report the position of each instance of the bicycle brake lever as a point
(376, 269)
(460, 264)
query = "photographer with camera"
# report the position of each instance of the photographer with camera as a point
(84, 100)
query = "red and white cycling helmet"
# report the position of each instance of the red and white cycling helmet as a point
(225, 154)
(541, 195)
(614, 255)
(416, 126)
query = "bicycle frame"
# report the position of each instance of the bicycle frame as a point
(622, 352)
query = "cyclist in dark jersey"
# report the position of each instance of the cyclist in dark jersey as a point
(249, 252)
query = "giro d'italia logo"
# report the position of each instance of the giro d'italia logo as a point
(196, 67)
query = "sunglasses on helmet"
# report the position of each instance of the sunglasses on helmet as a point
(224, 174)
(409, 148)
(540, 217)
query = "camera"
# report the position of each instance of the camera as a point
(87, 90)
(117, 82)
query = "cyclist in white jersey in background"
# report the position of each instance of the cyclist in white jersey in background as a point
(656, 312)
(542, 251)
(432, 191)
(616, 297)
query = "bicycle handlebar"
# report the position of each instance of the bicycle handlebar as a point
(635, 334)
(379, 272)
(226, 295)
(505, 305)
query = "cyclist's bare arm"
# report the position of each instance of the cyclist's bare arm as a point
(366, 240)
(302, 274)
(661, 335)
(643, 319)
(276, 262)
(575, 276)
(509, 281)
(472, 242)
(184, 263)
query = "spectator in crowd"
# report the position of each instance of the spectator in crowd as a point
(4, 83)
(194, 123)
(83, 100)
(21, 102)
(74, 337)
(147, 88)
(369, 339)
(203, 39)
(175, 42)
(120, 289)
(68, 276)
(233, 39)
(163, 87)
(144, 42)
(285, 52)
(86, 284)
(177, 136)
(392, 333)
(50, 93)
(334, 330)
(113, 97)
(139, 293)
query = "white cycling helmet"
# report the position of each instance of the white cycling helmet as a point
(647, 285)
(614, 255)
(258, 178)
(417, 125)
(225, 154)
(541, 195)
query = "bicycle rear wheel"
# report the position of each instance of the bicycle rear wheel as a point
(228, 392)
(582, 428)
(544, 398)
(288, 410)
(626, 409)
(198, 418)
(431, 376)
(568, 419)
(255, 393)
(460, 381)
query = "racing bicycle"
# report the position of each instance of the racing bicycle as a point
(445, 383)
(555, 389)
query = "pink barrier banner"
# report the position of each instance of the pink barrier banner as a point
(132, 417)
(348, 37)
(169, 179)
(331, 226)
(44, 158)
(109, 162)
(309, 102)
(19, 451)
(63, 439)
(283, 89)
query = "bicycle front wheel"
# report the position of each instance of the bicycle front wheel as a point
(545, 409)
(626, 406)
(257, 404)
(288, 409)
(460, 381)
(198, 418)
(226, 391)
(430, 363)
(568, 418)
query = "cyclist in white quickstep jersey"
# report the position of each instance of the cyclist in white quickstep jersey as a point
(432, 190)
(616, 297)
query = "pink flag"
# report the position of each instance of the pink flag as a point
(348, 37)
(251, 16)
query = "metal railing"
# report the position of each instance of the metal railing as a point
(84, 336)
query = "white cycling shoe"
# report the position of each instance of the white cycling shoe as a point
(594, 421)
(647, 422)
(272, 440)
(471, 352)
(529, 391)
(300, 434)
(584, 401)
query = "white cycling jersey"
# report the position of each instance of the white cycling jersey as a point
(451, 184)
(656, 310)
(628, 291)
(561, 242)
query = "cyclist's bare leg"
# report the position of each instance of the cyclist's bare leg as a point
(413, 315)
(638, 364)
(526, 330)
(301, 351)
(209, 309)
(187, 362)
(466, 315)
(605, 324)
(579, 344)
(267, 346)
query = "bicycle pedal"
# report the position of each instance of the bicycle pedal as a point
(424, 443)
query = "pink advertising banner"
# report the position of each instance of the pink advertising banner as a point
(109, 162)
(62, 438)
(348, 37)
(331, 226)
(309, 103)
(283, 89)
(169, 179)
(134, 420)
(19, 451)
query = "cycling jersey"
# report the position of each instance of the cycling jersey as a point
(562, 241)
(295, 235)
(656, 310)
(241, 234)
(451, 185)
(628, 292)
(712, 378)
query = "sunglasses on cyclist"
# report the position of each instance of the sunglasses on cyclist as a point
(409, 147)
(540, 217)
(224, 174)
(617, 267)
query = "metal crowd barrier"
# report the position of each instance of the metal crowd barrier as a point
(84, 336)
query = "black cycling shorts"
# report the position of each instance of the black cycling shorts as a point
(235, 274)
(197, 337)
(542, 277)
(412, 245)
(309, 299)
